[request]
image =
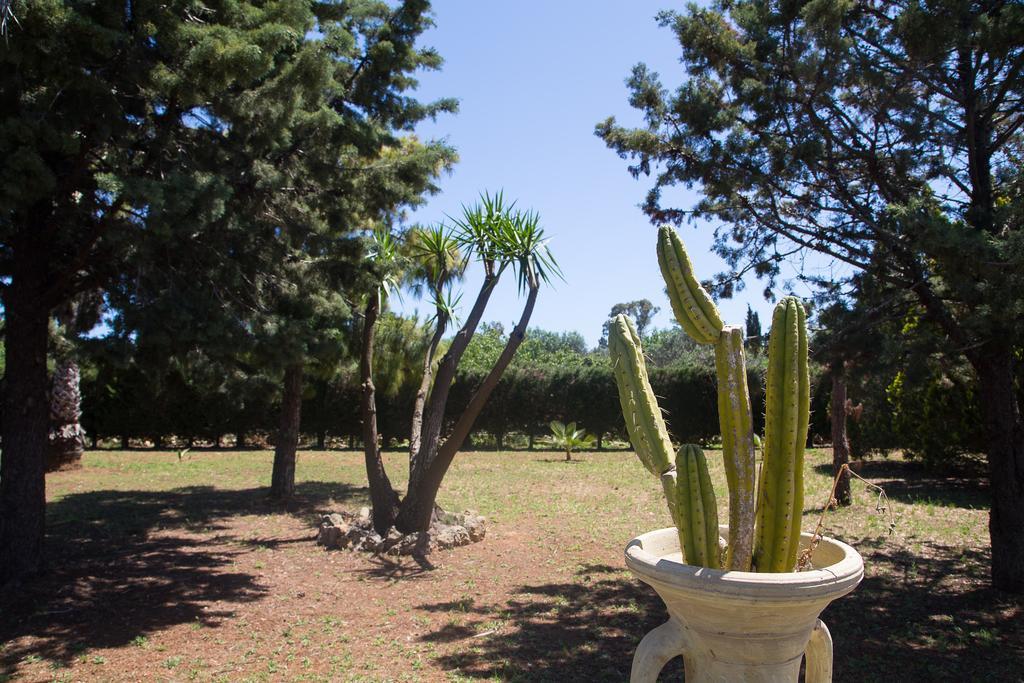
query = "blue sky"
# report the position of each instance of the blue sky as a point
(533, 78)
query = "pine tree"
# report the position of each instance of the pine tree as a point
(181, 162)
(887, 137)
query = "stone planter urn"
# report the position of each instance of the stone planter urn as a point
(740, 626)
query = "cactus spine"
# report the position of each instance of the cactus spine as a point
(787, 412)
(696, 511)
(644, 422)
(694, 309)
(737, 445)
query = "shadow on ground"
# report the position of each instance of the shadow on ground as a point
(581, 630)
(910, 482)
(113, 580)
(929, 616)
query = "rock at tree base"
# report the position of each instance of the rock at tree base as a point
(345, 530)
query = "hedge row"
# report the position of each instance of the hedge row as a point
(127, 404)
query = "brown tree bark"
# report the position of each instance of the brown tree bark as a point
(840, 442)
(424, 389)
(282, 481)
(26, 418)
(383, 498)
(1005, 434)
(433, 415)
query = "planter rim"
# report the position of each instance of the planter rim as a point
(831, 581)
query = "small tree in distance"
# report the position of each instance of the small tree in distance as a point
(569, 439)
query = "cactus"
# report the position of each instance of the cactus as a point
(695, 510)
(765, 507)
(693, 307)
(787, 411)
(737, 444)
(644, 422)
(687, 485)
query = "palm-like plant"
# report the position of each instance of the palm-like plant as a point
(437, 263)
(498, 236)
(567, 438)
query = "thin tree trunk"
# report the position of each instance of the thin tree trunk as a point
(26, 418)
(433, 415)
(282, 482)
(383, 497)
(599, 440)
(1005, 434)
(840, 442)
(321, 440)
(418, 505)
(529, 443)
(421, 394)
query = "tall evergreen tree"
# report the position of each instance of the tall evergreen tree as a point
(181, 159)
(885, 136)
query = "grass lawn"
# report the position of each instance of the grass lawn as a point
(180, 569)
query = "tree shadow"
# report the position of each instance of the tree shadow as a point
(585, 629)
(913, 483)
(123, 565)
(928, 615)
(561, 461)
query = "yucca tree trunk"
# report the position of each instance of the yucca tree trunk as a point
(418, 505)
(424, 389)
(383, 497)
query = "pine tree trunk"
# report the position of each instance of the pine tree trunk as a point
(26, 421)
(840, 442)
(383, 497)
(321, 440)
(1005, 434)
(282, 483)
(67, 438)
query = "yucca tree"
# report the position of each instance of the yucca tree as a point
(386, 265)
(499, 237)
(567, 438)
(436, 263)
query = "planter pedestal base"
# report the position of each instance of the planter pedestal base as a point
(740, 626)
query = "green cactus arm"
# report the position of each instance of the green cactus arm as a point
(803, 414)
(644, 421)
(683, 512)
(710, 509)
(668, 487)
(693, 308)
(696, 510)
(787, 445)
(738, 456)
(765, 530)
(780, 501)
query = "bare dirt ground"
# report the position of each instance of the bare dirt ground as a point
(168, 569)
